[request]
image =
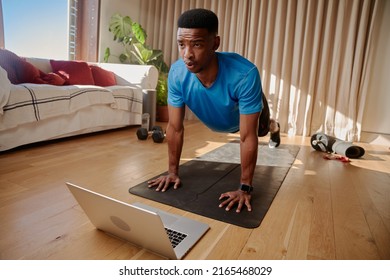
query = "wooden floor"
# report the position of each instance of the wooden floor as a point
(325, 209)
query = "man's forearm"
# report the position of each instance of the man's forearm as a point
(175, 146)
(248, 148)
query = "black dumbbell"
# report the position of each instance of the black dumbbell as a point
(156, 132)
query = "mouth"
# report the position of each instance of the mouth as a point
(189, 64)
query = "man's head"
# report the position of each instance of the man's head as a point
(197, 39)
(199, 18)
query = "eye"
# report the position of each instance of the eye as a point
(197, 44)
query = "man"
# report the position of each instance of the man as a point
(224, 91)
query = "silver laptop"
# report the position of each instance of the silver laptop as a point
(164, 233)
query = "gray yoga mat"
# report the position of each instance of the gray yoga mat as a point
(206, 177)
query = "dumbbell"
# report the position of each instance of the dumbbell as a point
(156, 132)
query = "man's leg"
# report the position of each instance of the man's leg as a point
(266, 124)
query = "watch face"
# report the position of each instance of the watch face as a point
(246, 188)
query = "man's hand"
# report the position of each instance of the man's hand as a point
(234, 197)
(164, 182)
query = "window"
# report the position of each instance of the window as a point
(58, 29)
(73, 8)
(36, 28)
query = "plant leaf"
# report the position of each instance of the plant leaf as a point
(139, 32)
(123, 57)
(142, 53)
(107, 54)
(120, 26)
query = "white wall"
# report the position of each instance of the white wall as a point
(107, 9)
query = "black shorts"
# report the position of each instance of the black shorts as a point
(264, 119)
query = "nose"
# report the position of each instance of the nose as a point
(187, 52)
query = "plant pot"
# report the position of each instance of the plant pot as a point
(162, 113)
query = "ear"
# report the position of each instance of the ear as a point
(217, 42)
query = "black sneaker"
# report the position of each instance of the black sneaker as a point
(274, 140)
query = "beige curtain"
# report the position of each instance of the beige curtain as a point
(313, 56)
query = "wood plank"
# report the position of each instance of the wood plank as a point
(373, 192)
(352, 235)
(230, 243)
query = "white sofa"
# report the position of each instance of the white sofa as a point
(37, 112)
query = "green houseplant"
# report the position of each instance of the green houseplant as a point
(132, 37)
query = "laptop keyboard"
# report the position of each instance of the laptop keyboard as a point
(175, 237)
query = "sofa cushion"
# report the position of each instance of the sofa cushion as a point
(74, 72)
(50, 78)
(102, 77)
(18, 69)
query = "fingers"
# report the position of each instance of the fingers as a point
(248, 205)
(154, 182)
(163, 186)
(176, 185)
(233, 198)
(162, 183)
(240, 203)
(229, 201)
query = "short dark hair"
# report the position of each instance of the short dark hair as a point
(199, 18)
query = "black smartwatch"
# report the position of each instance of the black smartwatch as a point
(246, 188)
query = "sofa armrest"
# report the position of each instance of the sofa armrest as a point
(144, 76)
(42, 64)
(5, 89)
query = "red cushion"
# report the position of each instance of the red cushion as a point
(74, 72)
(28, 72)
(102, 77)
(49, 78)
(18, 69)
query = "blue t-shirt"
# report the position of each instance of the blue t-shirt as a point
(236, 90)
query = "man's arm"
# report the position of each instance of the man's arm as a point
(175, 136)
(248, 153)
(248, 146)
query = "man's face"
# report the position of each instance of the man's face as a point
(197, 47)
